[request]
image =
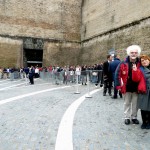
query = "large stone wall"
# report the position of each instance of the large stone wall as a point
(61, 54)
(51, 19)
(10, 52)
(113, 25)
(101, 16)
(57, 21)
(96, 49)
(72, 31)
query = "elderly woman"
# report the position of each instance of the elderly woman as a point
(142, 75)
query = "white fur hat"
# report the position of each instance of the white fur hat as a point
(133, 47)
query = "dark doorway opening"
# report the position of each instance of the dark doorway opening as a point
(33, 57)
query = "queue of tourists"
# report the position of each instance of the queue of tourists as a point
(128, 79)
(65, 74)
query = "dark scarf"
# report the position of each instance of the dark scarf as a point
(131, 85)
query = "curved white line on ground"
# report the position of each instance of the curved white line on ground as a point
(9, 87)
(64, 135)
(29, 94)
(8, 82)
(27, 85)
(4, 80)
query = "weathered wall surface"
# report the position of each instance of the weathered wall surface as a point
(95, 50)
(60, 26)
(113, 24)
(101, 16)
(47, 20)
(52, 19)
(61, 54)
(10, 52)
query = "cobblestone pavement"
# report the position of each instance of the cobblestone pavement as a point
(31, 122)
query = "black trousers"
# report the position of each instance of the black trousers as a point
(116, 92)
(145, 116)
(31, 79)
(107, 85)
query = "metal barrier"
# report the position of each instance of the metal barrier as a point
(62, 77)
(71, 77)
(86, 78)
(14, 75)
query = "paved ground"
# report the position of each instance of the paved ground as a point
(46, 116)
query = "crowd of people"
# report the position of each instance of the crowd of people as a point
(129, 79)
(68, 73)
(15, 73)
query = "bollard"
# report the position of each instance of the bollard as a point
(77, 87)
(88, 86)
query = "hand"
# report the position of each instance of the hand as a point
(134, 67)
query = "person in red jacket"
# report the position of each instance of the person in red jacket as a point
(129, 88)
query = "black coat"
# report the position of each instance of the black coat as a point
(105, 68)
(106, 75)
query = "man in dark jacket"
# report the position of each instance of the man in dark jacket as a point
(112, 68)
(107, 79)
(31, 75)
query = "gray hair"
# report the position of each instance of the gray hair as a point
(133, 47)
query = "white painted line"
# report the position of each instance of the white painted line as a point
(4, 80)
(29, 94)
(64, 135)
(10, 82)
(8, 87)
(27, 85)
